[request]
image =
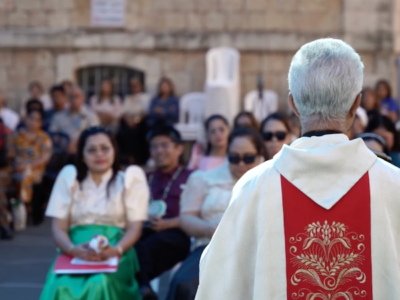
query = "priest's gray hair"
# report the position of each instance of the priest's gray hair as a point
(325, 77)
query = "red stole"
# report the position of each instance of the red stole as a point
(328, 252)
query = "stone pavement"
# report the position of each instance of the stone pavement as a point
(24, 262)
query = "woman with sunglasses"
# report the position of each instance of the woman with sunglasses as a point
(204, 201)
(95, 198)
(276, 132)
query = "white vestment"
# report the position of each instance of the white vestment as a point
(246, 256)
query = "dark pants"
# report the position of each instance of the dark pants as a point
(41, 195)
(186, 279)
(159, 252)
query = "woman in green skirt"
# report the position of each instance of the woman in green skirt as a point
(95, 198)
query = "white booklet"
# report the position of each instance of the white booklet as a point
(113, 261)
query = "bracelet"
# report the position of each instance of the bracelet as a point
(120, 250)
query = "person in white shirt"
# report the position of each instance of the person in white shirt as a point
(321, 219)
(106, 104)
(95, 198)
(10, 118)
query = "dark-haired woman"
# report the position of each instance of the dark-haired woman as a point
(106, 104)
(217, 132)
(276, 132)
(29, 149)
(164, 108)
(388, 105)
(95, 198)
(384, 127)
(204, 201)
(246, 119)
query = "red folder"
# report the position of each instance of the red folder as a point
(63, 265)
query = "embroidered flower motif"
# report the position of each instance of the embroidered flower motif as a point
(327, 260)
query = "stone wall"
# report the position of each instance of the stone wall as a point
(49, 39)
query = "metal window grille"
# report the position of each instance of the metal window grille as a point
(89, 79)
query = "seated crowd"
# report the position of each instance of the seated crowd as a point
(66, 136)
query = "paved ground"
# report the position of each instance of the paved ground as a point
(24, 263)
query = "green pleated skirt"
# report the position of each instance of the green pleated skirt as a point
(107, 286)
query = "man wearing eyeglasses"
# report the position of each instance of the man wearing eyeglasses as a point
(321, 219)
(163, 244)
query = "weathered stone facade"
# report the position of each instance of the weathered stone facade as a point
(50, 39)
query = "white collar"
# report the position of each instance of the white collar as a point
(324, 168)
(104, 179)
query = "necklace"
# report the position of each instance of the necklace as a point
(169, 184)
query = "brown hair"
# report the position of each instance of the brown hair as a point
(279, 117)
(171, 86)
(254, 123)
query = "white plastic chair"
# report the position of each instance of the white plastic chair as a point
(222, 84)
(261, 108)
(191, 116)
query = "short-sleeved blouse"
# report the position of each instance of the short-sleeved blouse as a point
(112, 106)
(208, 193)
(88, 203)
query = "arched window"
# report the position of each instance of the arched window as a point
(89, 78)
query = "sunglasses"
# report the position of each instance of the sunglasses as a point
(268, 136)
(247, 159)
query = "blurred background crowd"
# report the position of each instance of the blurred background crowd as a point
(40, 139)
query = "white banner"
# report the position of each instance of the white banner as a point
(108, 13)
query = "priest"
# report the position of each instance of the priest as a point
(321, 220)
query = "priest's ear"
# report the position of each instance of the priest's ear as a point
(292, 105)
(356, 104)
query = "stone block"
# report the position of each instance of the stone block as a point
(175, 21)
(214, 21)
(44, 59)
(257, 5)
(147, 63)
(80, 19)
(184, 5)
(65, 66)
(59, 20)
(175, 62)
(194, 22)
(276, 63)
(282, 21)
(327, 22)
(4, 84)
(196, 63)
(317, 5)
(237, 21)
(228, 5)
(58, 5)
(360, 22)
(6, 58)
(38, 19)
(361, 5)
(288, 5)
(250, 63)
(369, 62)
(25, 58)
(18, 19)
(162, 5)
(45, 75)
(28, 4)
(132, 21)
(257, 21)
(18, 77)
(206, 5)
(182, 82)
